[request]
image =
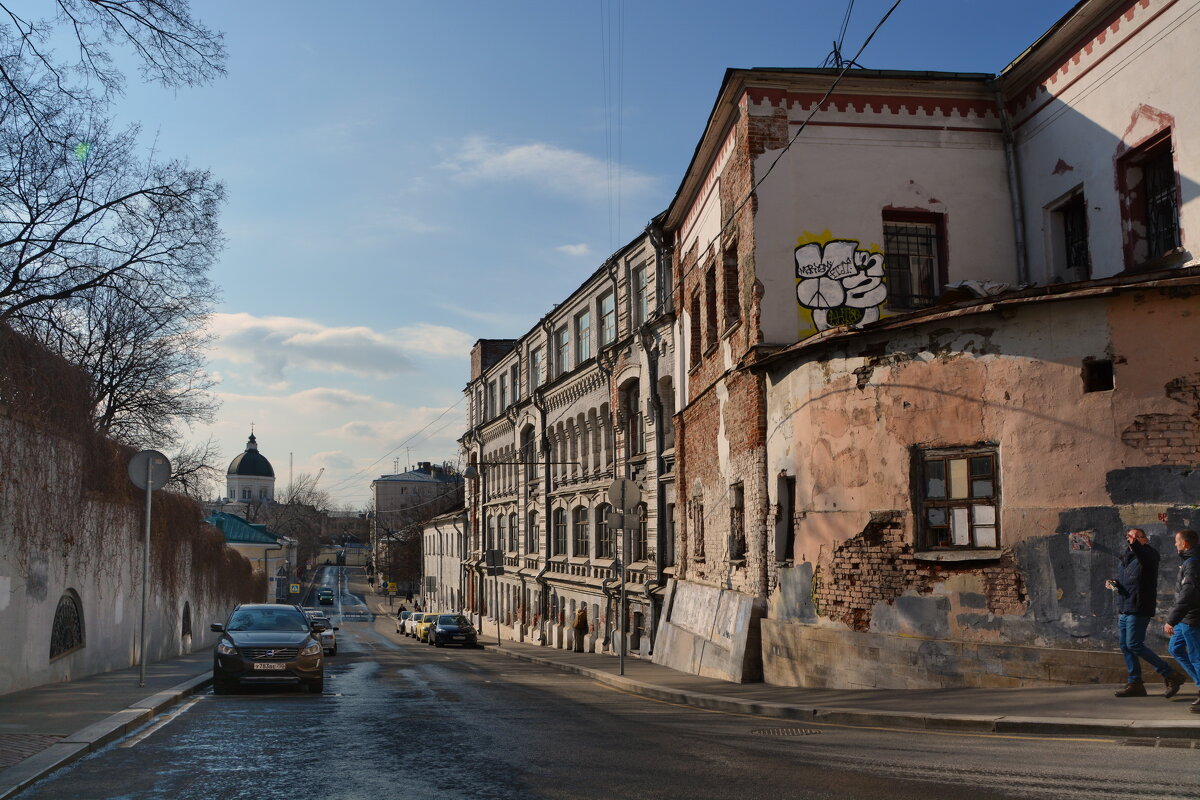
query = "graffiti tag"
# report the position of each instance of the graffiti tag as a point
(840, 283)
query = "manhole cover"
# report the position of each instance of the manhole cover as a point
(785, 732)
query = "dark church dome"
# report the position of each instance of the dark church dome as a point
(251, 463)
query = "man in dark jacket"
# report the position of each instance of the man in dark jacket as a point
(1137, 591)
(1183, 621)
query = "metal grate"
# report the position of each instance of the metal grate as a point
(1162, 211)
(910, 259)
(67, 634)
(270, 653)
(785, 732)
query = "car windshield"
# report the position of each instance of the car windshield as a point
(405, 614)
(458, 620)
(266, 619)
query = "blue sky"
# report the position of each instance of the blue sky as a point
(405, 178)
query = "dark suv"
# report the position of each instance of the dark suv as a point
(268, 643)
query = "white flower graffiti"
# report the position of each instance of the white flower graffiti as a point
(840, 283)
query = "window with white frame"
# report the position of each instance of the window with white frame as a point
(562, 350)
(537, 367)
(959, 497)
(607, 306)
(583, 336)
(582, 532)
(639, 298)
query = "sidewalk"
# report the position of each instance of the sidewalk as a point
(50, 726)
(1069, 710)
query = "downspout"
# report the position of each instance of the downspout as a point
(539, 402)
(660, 500)
(1015, 196)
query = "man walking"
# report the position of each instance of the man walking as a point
(1137, 590)
(1183, 621)
(580, 626)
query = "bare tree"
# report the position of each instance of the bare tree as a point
(297, 512)
(195, 471)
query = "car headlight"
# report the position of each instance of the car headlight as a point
(311, 649)
(226, 649)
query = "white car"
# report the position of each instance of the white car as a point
(329, 635)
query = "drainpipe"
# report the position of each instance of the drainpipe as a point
(1015, 196)
(539, 402)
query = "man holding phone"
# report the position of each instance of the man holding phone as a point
(1136, 586)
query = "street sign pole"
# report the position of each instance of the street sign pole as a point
(624, 494)
(145, 575)
(148, 470)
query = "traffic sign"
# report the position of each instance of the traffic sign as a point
(615, 521)
(294, 588)
(391, 586)
(624, 495)
(152, 464)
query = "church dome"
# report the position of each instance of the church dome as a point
(251, 463)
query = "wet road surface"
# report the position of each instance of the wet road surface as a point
(404, 720)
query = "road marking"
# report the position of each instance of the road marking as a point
(967, 734)
(155, 726)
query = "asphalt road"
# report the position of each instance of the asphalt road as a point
(404, 720)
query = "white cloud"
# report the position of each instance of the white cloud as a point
(548, 166)
(575, 249)
(274, 344)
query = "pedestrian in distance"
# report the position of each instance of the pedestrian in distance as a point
(1183, 621)
(1136, 586)
(408, 597)
(580, 626)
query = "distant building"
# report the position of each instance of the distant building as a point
(250, 477)
(400, 504)
(267, 551)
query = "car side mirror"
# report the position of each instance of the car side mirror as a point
(216, 627)
(336, 628)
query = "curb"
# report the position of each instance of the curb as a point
(900, 720)
(23, 774)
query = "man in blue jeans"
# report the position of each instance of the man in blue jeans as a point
(1137, 591)
(1183, 621)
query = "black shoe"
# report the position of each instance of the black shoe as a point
(1132, 689)
(1173, 681)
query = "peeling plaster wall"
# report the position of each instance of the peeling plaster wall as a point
(1076, 470)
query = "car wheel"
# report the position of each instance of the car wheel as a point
(317, 686)
(333, 652)
(437, 642)
(221, 687)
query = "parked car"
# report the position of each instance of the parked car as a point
(452, 629)
(329, 635)
(325, 596)
(424, 625)
(410, 624)
(268, 643)
(400, 618)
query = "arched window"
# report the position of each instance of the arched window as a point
(579, 520)
(560, 533)
(640, 545)
(513, 533)
(187, 620)
(531, 533)
(490, 544)
(67, 634)
(604, 534)
(501, 532)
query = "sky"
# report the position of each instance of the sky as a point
(405, 178)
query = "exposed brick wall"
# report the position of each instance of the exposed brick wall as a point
(877, 566)
(1170, 438)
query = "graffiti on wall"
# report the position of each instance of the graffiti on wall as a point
(838, 282)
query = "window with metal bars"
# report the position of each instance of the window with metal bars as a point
(1162, 210)
(911, 262)
(67, 634)
(959, 498)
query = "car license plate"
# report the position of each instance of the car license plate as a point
(459, 638)
(269, 665)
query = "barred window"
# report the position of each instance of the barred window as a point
(911, 261)
(1162, 210)
(67, 633)
(960, 495)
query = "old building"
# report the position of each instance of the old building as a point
(443, 551)
(918, 471)
(555, 416)
(400, 505)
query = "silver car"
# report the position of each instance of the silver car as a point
(329, 635)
